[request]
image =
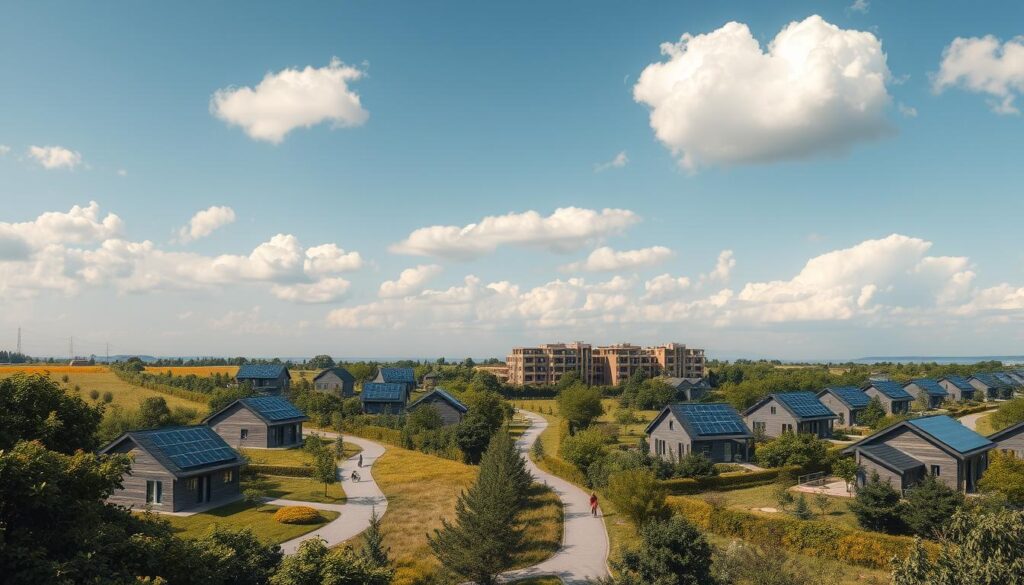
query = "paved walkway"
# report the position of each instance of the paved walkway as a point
(362, 498)
(971, 420)
(834, 488)
(584, 552)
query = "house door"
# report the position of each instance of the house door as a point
(727, 450)
(203, 489)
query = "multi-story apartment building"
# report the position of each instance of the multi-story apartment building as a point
(610, 364)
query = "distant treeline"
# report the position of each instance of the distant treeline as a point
(13, 357)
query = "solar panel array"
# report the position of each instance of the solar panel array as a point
(930, 386)
(892, 389)
(712, 419)
(273, 407)
(191, 447)
(383, 392)
(1005, 379)
(398, 375)
(950, 432)
(960, 383)
(259, 371)
(852, 395)
(804, 404)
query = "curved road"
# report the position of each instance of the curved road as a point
(584, 552)
(971, 420)
(362, 498)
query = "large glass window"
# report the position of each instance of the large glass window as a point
(154, 492)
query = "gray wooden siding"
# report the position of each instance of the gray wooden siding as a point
(915, 391)
(229, 425)
(1013, 442)
(847, 416)
(868, 467)
(144, 468)
(772, 422)
(891, 406)
(950, 472)
(186, 496)
(449, 415)
(383, 407)
(275, 386)
(982, 392)
(676, 442)
(331, 383)
(954, 392)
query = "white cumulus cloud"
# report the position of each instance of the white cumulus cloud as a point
(607, 259)
(410, 281)
(293, 98)
(984, 65)
(323, 291)
(330, 259)
(719, 98)
(55, 157)
(205, 222)
(567, 229)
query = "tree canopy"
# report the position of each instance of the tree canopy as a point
(34, 407)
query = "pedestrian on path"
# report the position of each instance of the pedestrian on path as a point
(360, 460)
(593, 504)
(355, 476)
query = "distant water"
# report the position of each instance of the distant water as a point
(906, 359)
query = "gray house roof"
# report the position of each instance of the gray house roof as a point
(1007, 432)
(892, 390)
(261, 372)
(705, 420)
(684, 383)
(851, 396)
(337, 371)
(931, 387)
(383, 392)
(272, 410)
(940, 430)
(443, 395)
(182, 451)
(959, 382)
(891, 457)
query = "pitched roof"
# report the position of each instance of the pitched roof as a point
(1005, 378)
(959, 382)
(398, 375)
(850, 395)
(383, 392)
(443, 395)
(707, 419)
(930, 386)
(337, 371)
(988, 380)
(270, 409)
(1008, 431)
(803, 404)
(261, 371)
(182, 450)
(950, 432)
(891, 457)
(893, 390)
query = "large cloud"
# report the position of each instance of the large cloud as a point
(80, 225)
(410, 281)
(984, 65)
(568, 228)
(292, 98)
(205, 222)
(718, 98)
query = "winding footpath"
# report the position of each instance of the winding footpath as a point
(971, 420)
(362, 498)
(584, 552)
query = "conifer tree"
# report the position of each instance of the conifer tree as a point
(373, 544)
(479, 545)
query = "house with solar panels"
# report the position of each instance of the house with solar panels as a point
(715, 430)
(690, 389)
(1017, 375)
(447, 406)
(1009, 383)
(404, 376)
(934, 394)
(259, 422)
(265, 378)
(177, 468)
(988, 388)
(1010, 440)
(790, 412)
(384, 397)
(336, 381)
(847, 402)
(894, 399)
(957, 388)
(938, 445)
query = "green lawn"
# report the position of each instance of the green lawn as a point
(295, 457)
(298, 488)
(751, 499)
(242, 515)
(824, 570)
(984, 425)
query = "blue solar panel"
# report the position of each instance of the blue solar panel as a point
(851, 395)
(273, 408)
(1005, 379)
(398, 375)
(891, 389)
(950, 432)
(259, 371)
(383, 392)
(960, 383)
(804, 404)
(191, 446)
(710, 419)
(930, 386)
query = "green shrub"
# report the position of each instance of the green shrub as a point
(800, 449)
(726, 481)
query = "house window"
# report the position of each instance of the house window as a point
(935, 470)
(773, 410)
(842, 418)
(192, 484)
(229, 476)
(154, 492)
(787, 428)
(671, 425)
(679, 446)
(244, 434)
(758, 426)
(706, 450)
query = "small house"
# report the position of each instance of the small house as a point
(894, 399)
(384, 398)
(847, 402)
(1010, 385)
(1010, 439)
(715, 430)
(176, 468)
(265, 378)
(404, 376)
(957, 388)
(934, 394)
(336, 381)
(903, 453)
(259, 422)
(988, 388)
(1017, 377)
(690, 389)
(430, 380)
(446, 405)
(790, 412)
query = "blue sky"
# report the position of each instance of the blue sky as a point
(479, 110)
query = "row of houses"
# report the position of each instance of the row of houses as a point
(181, 468)
(902, 453)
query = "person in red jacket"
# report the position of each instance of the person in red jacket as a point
(593, 504)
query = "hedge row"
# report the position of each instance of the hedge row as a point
(971, 410)
(375, 433)
(562, 469)
(162, 388)
(727, 481)
(807, 537)
(288, 470)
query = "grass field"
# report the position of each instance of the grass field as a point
(242, 515)
(99, 378)
(55, 369)
(752, 499)
(299, 488)
(422, 489)
(984, 425)
(296, 457)
(201, 371)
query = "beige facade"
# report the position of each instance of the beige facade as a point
(611, 364)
